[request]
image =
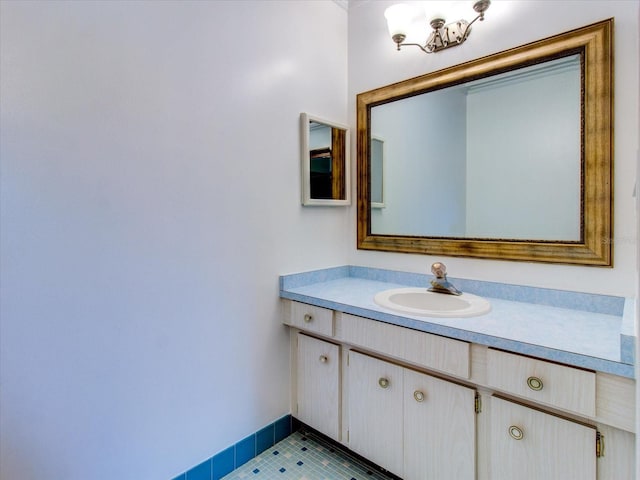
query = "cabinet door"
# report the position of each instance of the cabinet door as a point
(439, 429)
(530, 445)
(375, 411)
(318, 380)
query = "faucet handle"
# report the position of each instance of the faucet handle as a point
(439, 269)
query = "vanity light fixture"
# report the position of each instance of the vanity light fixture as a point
(443, 35)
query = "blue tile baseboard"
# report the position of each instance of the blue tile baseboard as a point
(226, 461)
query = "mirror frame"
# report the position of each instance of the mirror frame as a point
(595, 44)
(307, 200)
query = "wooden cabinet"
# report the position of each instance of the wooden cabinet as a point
(548, 446)
(318, 385)
(439, 428)
(375, 411)
(415, 425)
(529, 444)
(406, 400)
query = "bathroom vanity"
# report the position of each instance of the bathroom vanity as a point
(540, 387)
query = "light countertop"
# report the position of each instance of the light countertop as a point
(582, 330)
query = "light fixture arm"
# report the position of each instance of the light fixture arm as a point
(446, 35)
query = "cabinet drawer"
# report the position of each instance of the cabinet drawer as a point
(556, 385)
(312, 318)
(420, 348)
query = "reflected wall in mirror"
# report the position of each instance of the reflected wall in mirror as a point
(325, 162)
(508, 156)
(480, 140)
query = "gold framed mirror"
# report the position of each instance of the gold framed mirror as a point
(506, 157)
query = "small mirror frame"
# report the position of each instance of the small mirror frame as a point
(305, 118)
(595, 43)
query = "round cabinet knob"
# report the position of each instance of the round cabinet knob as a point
(308, 318)
(534, 383)
(418, 395)
(383, 382)
(516, 432)
(323, 359)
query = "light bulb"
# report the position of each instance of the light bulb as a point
(399, 19)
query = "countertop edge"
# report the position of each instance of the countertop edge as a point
(569, 358)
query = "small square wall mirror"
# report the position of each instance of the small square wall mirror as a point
(325, 162)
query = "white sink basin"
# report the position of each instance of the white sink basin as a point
(420, 301)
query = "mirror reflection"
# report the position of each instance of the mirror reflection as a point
(377, 172)
(325, 167)
(497, 157)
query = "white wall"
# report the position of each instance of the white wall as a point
(374, 62)
(150, 199)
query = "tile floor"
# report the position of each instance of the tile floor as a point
(304, 456)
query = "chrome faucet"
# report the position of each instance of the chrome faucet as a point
(440, 284)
